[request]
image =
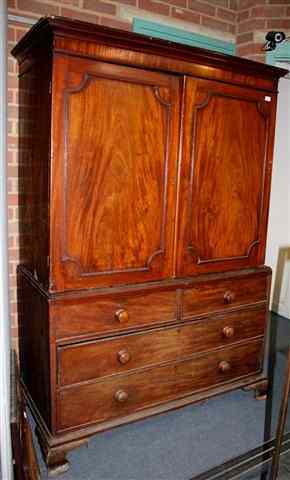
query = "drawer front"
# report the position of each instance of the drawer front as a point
(222, 294)
(79, 363)
(125, 394)
(115, 313)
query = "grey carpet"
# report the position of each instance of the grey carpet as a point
(184, 443)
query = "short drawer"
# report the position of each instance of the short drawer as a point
(122, 395)
(86, 361)
(218, 295)
(104, 315)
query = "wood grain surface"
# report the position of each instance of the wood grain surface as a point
(114, 193)
(81, 362)
(225, 172)
(97, 402)
(223, 294)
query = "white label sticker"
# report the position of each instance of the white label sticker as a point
(268, 99)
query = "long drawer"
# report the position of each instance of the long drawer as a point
(94, 315)
(121, 395)
(100, 358)
(218, 295)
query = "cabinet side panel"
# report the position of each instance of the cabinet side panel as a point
(34, 151)
(34, 345)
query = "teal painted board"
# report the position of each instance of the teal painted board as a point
(177, 35)
(280, 54)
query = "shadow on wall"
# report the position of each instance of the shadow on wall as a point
(281, 288)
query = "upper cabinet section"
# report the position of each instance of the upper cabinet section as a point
(152, 160)
(225, 176)
(113, 174)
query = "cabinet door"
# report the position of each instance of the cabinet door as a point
(114, 161)
(225, 177)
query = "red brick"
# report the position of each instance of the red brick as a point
(219, 3)
(75, 3)
(233, 4)
(245, 38)
(12, 271)
(279, 2)
(10, 157)
(79, 15)
(12, 171)
(14, 330)
(128, 2)
(242, 4)
(251, 25)
(11, 3)
(12, 111)
(232, 28)
(242, 16)
(99, 6)
(111, 22)
(9, 127)
(13, 241)
(10, 45)
(288, 12)
(268, 11)
(12, 81)
(12, 213)
(177, 3)
(226, 15)
(40, 8)
(13, 310)
(185, 15)
(12, 281)
(12, 295)
(12, 185)
(11, 34)
(154, 7)
(12, 141)
(11, 66)
(13, 254)
(10, 96)
(254, 48)
(214, 24)
(279, 23)
(20, 32)
(201, 7)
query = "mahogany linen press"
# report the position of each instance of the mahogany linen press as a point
(145, 171)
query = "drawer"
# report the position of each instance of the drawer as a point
(82, 362)
(218, 295)
(122, 395)
(104, 315)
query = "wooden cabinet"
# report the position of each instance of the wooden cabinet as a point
(146, 182)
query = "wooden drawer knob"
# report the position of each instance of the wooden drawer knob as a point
(229, 297)
(124, 356)
(228, 332)
(121, 396)
(224, 366)
(122, 316)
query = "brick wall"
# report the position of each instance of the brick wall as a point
(247, 20)
(255, 17)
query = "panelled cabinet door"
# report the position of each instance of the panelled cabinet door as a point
(224, 178)
(114, 158)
